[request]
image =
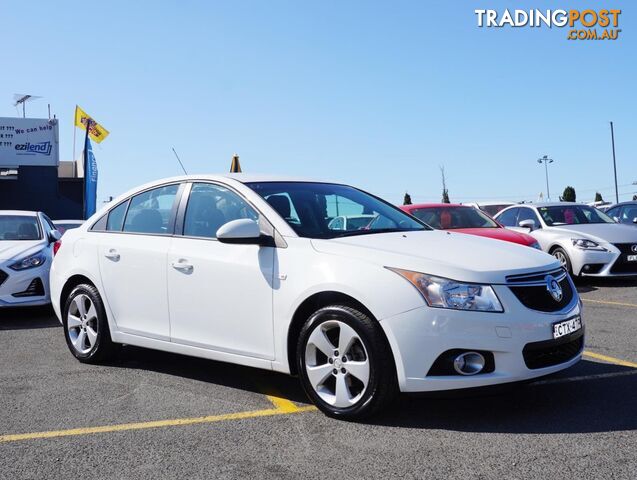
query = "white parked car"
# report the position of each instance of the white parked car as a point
(245, 269)
(350, 222)
(490, 208)
(585, 240)
(64, 225)
(27, 240)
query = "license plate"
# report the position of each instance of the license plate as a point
(631, 258)
(566, 327)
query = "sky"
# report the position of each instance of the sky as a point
(375, 94)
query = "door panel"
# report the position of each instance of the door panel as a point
(223, 301)
(133, 270)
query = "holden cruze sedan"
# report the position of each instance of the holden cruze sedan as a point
(586, 241)
(245, 269)
(27, 241)
(464, 219)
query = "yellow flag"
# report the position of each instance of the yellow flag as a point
(96, 131)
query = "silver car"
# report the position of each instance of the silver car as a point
(585, 240)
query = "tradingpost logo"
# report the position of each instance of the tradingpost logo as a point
(581, 24)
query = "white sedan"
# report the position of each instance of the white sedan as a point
(245, 269)
(27, 240)
(587, 242)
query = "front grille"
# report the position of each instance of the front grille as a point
(553, 352)
(537, 297)
(622, 265)
(3, 276)
(35, 289)
(536, 277)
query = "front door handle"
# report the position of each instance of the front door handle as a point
(112, 255)
(182, 265)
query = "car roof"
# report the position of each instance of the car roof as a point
(620, 204)
(24, 213)
(249, 177)
(75, 220)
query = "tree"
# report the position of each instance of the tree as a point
(407, 199)
(598, 197)
(568, 195)
(445, 192)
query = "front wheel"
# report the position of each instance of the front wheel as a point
(85, 325)
(562, 256)
(345, 363)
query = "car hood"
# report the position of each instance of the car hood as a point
(606, 232)
(499, 234)
(13, 248)
(457, 256)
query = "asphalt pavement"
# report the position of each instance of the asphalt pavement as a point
(151, 415)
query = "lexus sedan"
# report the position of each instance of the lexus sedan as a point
(245, 269)
(464, 219)
(586, 241)
(27, 241)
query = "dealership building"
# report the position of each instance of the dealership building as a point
(31, 175)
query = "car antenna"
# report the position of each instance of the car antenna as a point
(182, 165)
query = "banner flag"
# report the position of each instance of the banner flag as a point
(90, 180)
(96, 131)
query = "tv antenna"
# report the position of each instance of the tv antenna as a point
(20, 98)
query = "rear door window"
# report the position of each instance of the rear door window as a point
(150, 212)
(115, 220)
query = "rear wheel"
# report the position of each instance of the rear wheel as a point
(345, 364)
(85, 325)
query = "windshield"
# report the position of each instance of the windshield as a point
(572, 215)
(449, 218)
(323, 210)
(19, 227)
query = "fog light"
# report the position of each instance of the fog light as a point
(469, 363)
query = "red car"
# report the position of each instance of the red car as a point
(464, 219)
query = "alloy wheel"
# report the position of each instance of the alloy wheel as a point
(337, 364)
(562, 258)
(81, 323)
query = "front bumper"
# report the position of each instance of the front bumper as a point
(592, 263)
(16, 286)
(418, 337)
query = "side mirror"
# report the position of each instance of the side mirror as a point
(54, 236)
(243, 231)
(530, 224)
(635, 220)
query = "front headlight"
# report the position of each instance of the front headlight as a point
(31, 261)
(586, 244)
(536, 245)
(444, 293)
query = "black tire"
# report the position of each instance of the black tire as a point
(559, 251)
(382, 386)
(103, 348)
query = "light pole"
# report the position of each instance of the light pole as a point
(546, 160)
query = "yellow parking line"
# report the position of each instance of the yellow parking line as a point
(604, 302)
(282, 407)
(605, 358)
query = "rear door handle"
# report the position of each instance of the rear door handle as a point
(112, 255)
(182, 265)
